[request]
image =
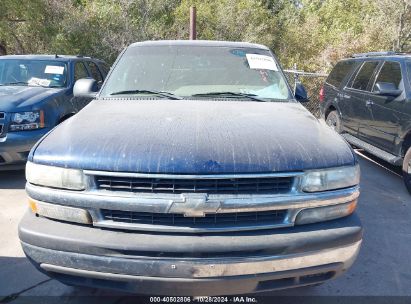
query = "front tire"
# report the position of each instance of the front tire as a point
(333, 120)
(406, 170)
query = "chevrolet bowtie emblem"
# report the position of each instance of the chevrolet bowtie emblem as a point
(194, 205)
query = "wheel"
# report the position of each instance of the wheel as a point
(333, 120)
(406, 170)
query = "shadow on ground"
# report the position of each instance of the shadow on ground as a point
(379, 162)
(12, 179)
(21, 282)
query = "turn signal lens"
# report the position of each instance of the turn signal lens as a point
(33, 205)
(59, 212)
(327, 213)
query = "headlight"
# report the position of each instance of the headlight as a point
(331, 179)
(27, 121)
(55, 177)
(321, 214)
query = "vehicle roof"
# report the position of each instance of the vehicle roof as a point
(47, 57)
(378, 57)
(194, 43)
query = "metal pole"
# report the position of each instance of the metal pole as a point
(193, 32)
(296, 79)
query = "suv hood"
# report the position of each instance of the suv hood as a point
(193, 137)
(21, 98)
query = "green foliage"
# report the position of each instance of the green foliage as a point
(20, 22)
(243, 20)
(311, 33)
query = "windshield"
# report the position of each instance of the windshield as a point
(26, 72)
(188, 71)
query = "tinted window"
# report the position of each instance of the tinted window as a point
(364, 75)
(105, 68)
(95, 72)
(80, 71)
(339, 72)
(390, 72)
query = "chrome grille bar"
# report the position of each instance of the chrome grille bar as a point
(192, 176)
(209, 220)
(238, 185)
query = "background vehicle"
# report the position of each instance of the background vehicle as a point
(188, 176)
(36, 94)
(367, 98)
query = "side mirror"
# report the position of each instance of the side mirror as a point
(85, 87)
(300, 93)
(387, 89)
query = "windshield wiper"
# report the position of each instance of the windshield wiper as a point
(159, 93)
(230, 94)
(14, 83)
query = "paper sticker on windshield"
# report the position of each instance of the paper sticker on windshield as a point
(261, 62)
(54, 69)
(39, 82)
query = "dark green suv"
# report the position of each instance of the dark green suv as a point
(367, 98)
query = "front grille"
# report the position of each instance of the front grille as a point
(1, 128)
(259, 185)
(219, 220)
(2, 115)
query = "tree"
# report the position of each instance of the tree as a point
(20, 22)
(104, 28)
(395, 16)
(312, 33)
(243, 20)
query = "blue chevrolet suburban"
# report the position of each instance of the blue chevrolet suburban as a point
(194, 171)
(36, 94)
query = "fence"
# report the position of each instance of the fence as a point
(312, 83)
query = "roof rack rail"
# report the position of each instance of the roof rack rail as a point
(375, 54)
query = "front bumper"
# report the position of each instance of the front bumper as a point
(15, 147)
(185, 264)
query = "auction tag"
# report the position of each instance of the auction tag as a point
(39, 82)
(261, 62)
(54, 69)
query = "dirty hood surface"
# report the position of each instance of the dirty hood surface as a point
(19, 98)
(192, 136)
